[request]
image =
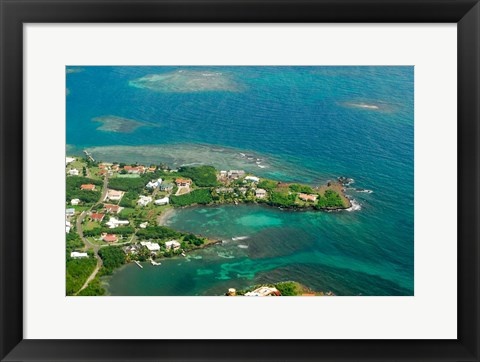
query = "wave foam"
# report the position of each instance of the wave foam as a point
(240, 238)
(355, 206)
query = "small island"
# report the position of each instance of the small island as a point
(115, 211)
(281, 289)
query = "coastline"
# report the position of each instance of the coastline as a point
(164, 216)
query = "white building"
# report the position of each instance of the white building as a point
(144, 200)
(114, 222)
(252, 178)
(69, 160)
(163, 201)
(74, 201)
(114, 195)
(172, 244)
(73, 172)
(70, 212)
(68, 226)
(77, 255)
(143, 225)
(150, 246)
(132, 249)
(154, 184)
(235, 173)
(260, 193)
(263, 292)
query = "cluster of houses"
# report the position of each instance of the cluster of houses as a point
(152, 247)
(110, 168)
(106, 167)
(237, 174)
(112, 223)
(68, 214)
(232, 174)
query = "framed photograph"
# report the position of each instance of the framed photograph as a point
(251, 180)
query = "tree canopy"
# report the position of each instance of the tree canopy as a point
(112, 257)
(202, 196)
(73, 190)
(203, 176)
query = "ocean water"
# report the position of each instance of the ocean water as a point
(307, 124)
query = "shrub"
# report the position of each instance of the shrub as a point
(267, 184)
(202, 196)
(301, 188)
(77, 272)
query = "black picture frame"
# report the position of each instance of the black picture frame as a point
(14, 13)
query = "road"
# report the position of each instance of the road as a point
(86, 242)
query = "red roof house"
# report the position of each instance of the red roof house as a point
(112, 208)
(110, 238)
(97, 217)
(88, 187)
(183, 182)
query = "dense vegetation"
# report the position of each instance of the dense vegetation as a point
(93, 288)
(128, 184)
(203, 176)
(193, 239)
(113, 257)
(129, 199)
(330, 199)
(267, 184)
(78, 270)
(157, 232)
(282, 199)
(286, 289)
(201, 196)
(73, 191)
(73, 242)
(289, 288)
(121, 230)
(301, 188)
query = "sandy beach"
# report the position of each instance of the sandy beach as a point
(164, 216)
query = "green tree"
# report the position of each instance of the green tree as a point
(203, 176)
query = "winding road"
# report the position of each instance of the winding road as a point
(88, 244)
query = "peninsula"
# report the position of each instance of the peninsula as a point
(115, 211)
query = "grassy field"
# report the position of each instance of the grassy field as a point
(90, 225)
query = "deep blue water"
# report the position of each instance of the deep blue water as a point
(313, 119)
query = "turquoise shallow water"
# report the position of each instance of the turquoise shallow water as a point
(306, 124)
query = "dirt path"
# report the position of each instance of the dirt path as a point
(93, 275)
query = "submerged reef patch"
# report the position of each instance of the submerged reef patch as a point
(188, 81)
(120, 124)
